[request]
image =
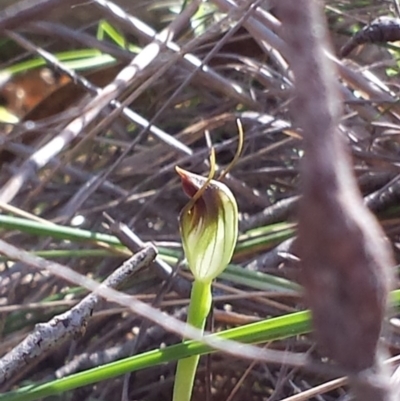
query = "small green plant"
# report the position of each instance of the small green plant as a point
(209, 231)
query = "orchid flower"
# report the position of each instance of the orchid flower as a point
(209, 229)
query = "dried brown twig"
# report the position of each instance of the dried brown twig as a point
(21, 12)
(345, 260)
(380, 30)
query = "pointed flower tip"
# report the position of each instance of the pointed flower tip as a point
(191, 182)
(209, 227)
(180, 171)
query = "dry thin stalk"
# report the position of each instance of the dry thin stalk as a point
(22, 150)
(344, 257)
(263, 29)
(124, 79)
(196, 66)
(207, 75)
(64, 33)
(91, 185)
(21, 12)
(279, 211)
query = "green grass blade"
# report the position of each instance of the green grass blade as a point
(106, 28)
(56, 231)
(79, 59)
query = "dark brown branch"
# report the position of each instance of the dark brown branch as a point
(344, 257)
(380, 30)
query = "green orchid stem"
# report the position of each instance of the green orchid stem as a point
(199, 308)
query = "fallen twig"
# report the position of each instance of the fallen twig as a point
(69, 324)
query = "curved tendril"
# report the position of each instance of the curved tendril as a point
(238, 151)
(201, 190)
(211, 174)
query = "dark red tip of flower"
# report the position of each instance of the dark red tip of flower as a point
(188, 185)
